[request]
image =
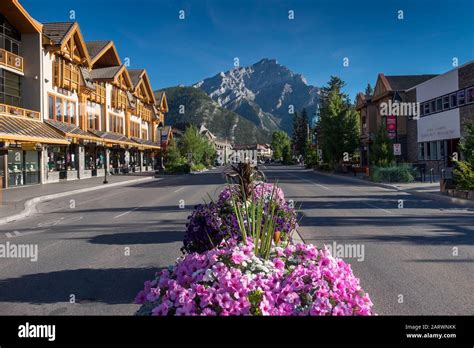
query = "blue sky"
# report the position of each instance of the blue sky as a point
(314, 43)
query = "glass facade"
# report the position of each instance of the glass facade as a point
(10, 38)
(23, 167)
(10, 88)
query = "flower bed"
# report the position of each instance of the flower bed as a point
(298, 279)
(240, 260)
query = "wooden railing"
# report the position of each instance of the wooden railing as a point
(11, 60)
(144, 112)
(20, 112)
(66, 74)
(119, 99)
(98, 96)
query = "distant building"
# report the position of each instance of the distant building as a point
(446, 107)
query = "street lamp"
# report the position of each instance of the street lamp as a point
(161, 167)
(106, 166)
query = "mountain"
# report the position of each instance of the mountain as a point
(262, 93)
(199, 109)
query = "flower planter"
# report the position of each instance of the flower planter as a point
(224, 273)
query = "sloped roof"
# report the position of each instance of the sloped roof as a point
(57, 31)
(404, 82)
(69, 129)
(95, 47)
(18, 128)
(108, 73)
(135, 75)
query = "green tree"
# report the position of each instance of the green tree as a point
(195, 148)
(300, 132)
(369, 91)
(338, 124)
(281, 145)
(172, 155)
(382, 149)
(464, 170)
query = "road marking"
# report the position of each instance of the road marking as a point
(16, 234)
(182, 188)
(312, 182)
(374, 206)
(127, 212)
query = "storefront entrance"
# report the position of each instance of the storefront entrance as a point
(23, 167)
(63, 159)
(118, 161)
(94, 158)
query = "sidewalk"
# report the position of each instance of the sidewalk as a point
(12, 201)
(423, 189)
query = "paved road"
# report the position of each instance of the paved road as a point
(408, 253)
(82, 244)
(82, 247)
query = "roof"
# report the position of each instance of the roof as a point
(110, 136)
(135, 75)
(159, 95)
(145, 142)
(404, 82)
(22, 129)
(108, 73)
(95, 47)
(87, 77)
(57, 31)
(69, 129)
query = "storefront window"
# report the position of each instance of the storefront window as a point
(15, 167)
(23, 167)
(62, 158)
(31, 167)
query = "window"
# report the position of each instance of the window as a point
(470, 95)
(10, 38)
(445, 102)
(94, 115)
(439, 104)
(427, 108)
(116, 123)
(10, 88)
(454, 100)
(421, 151)
(61, 110)
(433, 106)
(51, 107)
(135, 129)
(433, 150)
(461, 98)
(422, 109)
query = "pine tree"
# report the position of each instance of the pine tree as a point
(369, 91)
(339, 125)
(382, 151)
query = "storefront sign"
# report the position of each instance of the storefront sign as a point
(442, 126)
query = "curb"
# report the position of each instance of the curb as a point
(442, 198)
(30, 205)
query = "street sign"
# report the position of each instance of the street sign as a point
(397, 149)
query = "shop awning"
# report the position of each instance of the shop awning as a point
(114, 138)
(147, 144)
(72, 131)
(14, 128)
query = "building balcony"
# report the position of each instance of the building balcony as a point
(11, 60)
(8, 110)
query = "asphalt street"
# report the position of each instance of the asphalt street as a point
(97, 248)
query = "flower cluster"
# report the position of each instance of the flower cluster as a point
(208, 225)
(298, 279)
(211, 223)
